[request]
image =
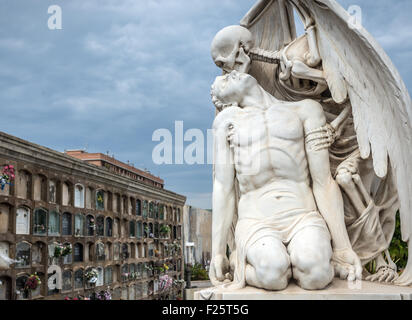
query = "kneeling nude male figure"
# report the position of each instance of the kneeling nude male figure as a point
(290, 212)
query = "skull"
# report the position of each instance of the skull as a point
(230, 49)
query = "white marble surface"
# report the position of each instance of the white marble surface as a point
(338, 290)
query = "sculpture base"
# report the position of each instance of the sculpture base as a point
(338, 290)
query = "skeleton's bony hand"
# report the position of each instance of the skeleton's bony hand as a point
(219, 269)
(347, 264)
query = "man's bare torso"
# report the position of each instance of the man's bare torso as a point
(270, 159)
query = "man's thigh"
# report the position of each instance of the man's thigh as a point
(268, 251)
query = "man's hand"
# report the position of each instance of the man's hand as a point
(347, 264)
(219, 269)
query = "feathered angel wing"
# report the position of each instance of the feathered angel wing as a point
(272, 25)
(356, 66)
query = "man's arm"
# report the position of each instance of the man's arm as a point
(326, 191)
(224, 202)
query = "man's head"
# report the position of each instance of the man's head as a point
(234, 89)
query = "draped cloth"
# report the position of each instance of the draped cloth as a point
(282, 226)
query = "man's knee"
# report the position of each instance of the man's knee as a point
(274, 272)
(313, 269)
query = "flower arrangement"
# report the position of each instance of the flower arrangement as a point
(100, 199)
(165, 282)
(104, 295)
(178, 283)
(92, 224)
(164, 230)
(62, 250)
(91, 275)
(134, 275)
(32, 282)
(76, 298)
(7, 176)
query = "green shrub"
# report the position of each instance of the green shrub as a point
(199, 273)
(398, 250)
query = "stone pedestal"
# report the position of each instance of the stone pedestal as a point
(338, 290)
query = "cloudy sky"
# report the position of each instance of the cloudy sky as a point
(120, 69)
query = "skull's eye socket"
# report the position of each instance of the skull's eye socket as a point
(219, 64)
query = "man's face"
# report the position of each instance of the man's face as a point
(234, 87)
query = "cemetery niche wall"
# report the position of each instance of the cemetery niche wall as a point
(74, 230)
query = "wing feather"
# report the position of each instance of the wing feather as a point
(356, 66)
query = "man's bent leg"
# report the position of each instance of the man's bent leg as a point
(310, 253)
(268, 265)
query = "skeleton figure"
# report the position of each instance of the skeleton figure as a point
(313, 66)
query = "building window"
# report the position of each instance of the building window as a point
(40, 222)
(151, 210)
(78, 279)
(161, 212)
(178, 215)
(132, 229)
(78, 252)
(108, 251)
(138, 207)
(40, 188)
(100, 254)
(5, 249)
(66, 196)
(23, 221)
(125, 251)
(139, 233)
(116, 251)
(156, 211)
(5, 288)
(145, 230)
(79, 225)
(54, 223)
(116, 226)
(20, 283)
(156, 230)
(130, 202)
(37, 253)
(151, 250)
(23, 254)
(139, 270)
(67, 224)
(89, 198)
(68, 258)
(23, 184)
(52, 191)
(125, 273)
(124, 293)
(4, 218)
(100, 200)
(79, 196)
(67, 280)
(109, 227)
(90, 225)
(145, 208)
(100, 278)
(108, 275)
(100, 226)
